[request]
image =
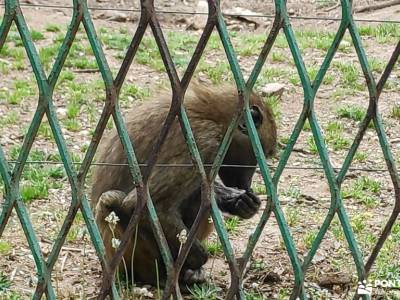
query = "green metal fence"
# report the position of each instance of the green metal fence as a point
(149, 18)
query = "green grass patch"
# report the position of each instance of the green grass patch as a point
(232, 224)
(259, 188)
(364, 190)
(217, 72)
(21, 90)
(52, 28)
(350, 76)
(309, 237)
(360, 156)
(37, 179)
(396, 111)
(273, 102)
(383, 33)
(11, 118)
(334, 136)
(180, 46)
(214, 248)
(5, 248)
(292, 216)
(37, 36)
(4, 282)
(250, 44)
(312, 146)
(203, 292)
(352, 112)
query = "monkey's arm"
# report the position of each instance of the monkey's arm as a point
(117, 201)
(241, 203)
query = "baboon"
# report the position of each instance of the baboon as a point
(175, 191)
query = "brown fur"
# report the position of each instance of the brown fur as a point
(210, 112)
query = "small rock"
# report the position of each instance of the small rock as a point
(112, 16)
(62, 112)
(330, 280)
(273, 89)
(244, 15)
(200, 19)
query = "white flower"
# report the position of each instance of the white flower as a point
(115, 243)
(182, 236)
(254, 285)
(112, 218)
(142, 292)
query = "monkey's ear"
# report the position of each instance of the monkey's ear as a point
(256, 115)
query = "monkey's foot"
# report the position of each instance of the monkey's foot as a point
(191, 277)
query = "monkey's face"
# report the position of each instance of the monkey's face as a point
(265, 124)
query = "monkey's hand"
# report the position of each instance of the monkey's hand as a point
(241, 203)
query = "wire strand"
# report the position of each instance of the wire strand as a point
(190, 165)
(257, 15)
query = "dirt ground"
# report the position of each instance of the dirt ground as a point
(303, 189)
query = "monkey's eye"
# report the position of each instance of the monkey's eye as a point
(257, 119)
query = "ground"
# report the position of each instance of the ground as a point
(303, 190)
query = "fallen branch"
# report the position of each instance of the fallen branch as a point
(299, 150)
(376, 6)
(86, 70)
(332, 7)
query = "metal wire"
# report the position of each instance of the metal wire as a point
(190, 165)
(174, 12)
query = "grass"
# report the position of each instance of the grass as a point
(45, 130)
(387, 266)
(278, 57)
(360, 156)
(37, 36)
(21, 90)
(364, 190)
(131, 92)
(214, 248)
(312, 146)
(72, 125)
(178, 44)
(9, 119)
(292, 192)
(259, 188)
(217, 72)
(250, 44)
(4, 282)
(52, 28)
(203, 292)
(395, 113)
(5, 248)
(352, 112)
(358, 222)
(350, 75)
(334, 136)
(337, 230)
(308, 238)
(37, 179)
(258, 265)
(253, 296)
(292, 216)
(232, 224)
(78, 229)
(273, 102)
(383, 33)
